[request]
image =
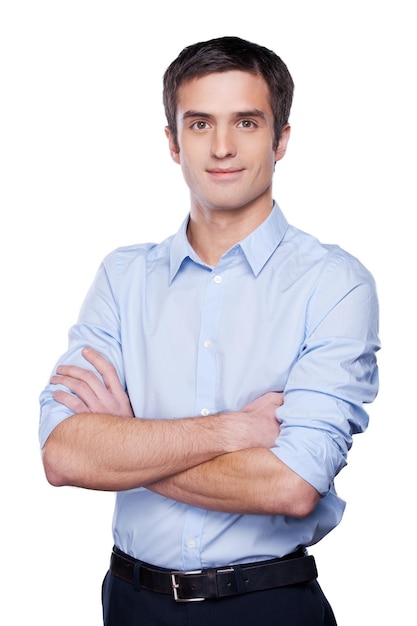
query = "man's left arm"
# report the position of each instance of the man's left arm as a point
(250, 481)
(333, 377)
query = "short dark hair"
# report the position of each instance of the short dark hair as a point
(224, 54)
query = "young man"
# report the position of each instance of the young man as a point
(215, 380)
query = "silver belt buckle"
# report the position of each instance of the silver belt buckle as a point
(176, 585)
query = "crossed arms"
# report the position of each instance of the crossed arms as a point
(220, 462)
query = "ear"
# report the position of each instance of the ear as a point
(173, 148)
(284, 138)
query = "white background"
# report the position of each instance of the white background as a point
(85, 168)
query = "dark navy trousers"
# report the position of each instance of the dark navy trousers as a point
(296, 605)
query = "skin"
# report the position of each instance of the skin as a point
(226, 150)
(227, 153)
(102, 447)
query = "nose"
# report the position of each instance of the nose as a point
(223, 143)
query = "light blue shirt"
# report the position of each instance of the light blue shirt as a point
(280, 311)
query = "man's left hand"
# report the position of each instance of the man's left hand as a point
(91, 394)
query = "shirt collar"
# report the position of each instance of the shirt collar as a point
(264, 240)
(180, 250)
(257, 247)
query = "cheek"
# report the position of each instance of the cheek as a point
(189, 171)
(266, 165)
(191, 162)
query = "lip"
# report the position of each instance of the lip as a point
(226, 173)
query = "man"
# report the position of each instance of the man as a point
(244, 348)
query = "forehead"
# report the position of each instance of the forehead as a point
(229, 91)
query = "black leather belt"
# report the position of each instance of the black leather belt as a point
(215, 583)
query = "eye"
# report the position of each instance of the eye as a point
(200, 125)
(247, 124)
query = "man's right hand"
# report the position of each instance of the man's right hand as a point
(259, 418)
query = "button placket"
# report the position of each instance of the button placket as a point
(205, 398)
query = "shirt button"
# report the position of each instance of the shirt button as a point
(205, 412)
(218, 279)
(191, 543)
(208, 343)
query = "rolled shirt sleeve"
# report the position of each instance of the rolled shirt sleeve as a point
(334, 376)
(98, 326)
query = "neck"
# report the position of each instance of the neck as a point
(211, 234)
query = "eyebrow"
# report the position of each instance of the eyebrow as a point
(237, 115)
(201, 114)
(251, 113)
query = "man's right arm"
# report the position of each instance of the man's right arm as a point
(108, 449)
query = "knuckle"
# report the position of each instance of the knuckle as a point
(90, 376)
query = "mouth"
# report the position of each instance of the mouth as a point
(226, 173)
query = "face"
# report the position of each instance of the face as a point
(226, 142)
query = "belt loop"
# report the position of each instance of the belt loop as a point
(136, 575)
(240, 585)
